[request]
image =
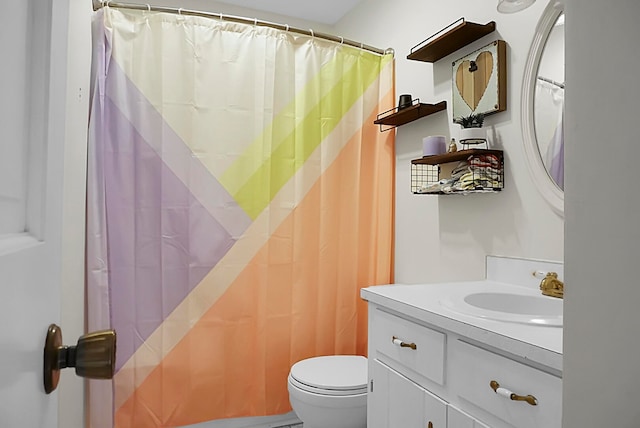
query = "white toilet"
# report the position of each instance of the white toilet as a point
(330, 391)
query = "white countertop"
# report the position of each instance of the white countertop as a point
(541, 345)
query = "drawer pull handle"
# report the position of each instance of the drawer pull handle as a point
(401, 343)
(511, 395)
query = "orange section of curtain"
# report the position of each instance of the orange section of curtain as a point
(299, 297)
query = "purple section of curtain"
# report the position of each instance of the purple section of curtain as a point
(165, 240)
(556, 169)
(155, 131)
(167, 237)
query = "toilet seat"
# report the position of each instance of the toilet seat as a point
(336, 375)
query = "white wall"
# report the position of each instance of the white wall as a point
(447, 237)
(601, 350)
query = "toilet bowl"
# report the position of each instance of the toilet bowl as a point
(330, 391)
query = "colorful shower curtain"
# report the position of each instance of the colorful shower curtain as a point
(239, 197)
(549, 119)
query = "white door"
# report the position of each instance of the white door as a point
(42, 119)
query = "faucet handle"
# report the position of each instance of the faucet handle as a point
(540, 274)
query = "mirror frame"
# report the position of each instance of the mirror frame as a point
(545, 184)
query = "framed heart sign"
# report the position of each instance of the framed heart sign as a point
(480, 81)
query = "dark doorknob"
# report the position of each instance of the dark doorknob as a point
(94, 356)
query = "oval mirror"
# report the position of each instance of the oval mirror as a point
(543, 106)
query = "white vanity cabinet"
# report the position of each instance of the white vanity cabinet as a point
(459, 419)
(422, 374)
(474, 370)
(396, 401)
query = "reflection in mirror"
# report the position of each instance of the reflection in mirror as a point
(549, 104)
(542, 106)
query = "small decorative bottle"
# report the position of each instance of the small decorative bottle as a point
(452, 146)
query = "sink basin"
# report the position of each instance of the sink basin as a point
(516, 303)
(518, 307)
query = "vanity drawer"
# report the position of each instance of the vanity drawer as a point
(410, 347)
(472, 371)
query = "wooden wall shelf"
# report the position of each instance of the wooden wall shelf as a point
(455, 156)
(449, 40)
(409, 114)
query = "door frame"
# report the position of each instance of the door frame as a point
(71, 56)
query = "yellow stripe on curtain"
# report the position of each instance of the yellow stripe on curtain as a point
(356, 70)
(283, 126)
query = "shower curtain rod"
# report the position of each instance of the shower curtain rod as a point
(97, 4)
(553, 82)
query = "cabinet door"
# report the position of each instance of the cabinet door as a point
(396, 401)
(456, 418)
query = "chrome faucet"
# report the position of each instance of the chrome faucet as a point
(552, 286)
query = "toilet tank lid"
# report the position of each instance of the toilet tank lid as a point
(341, 372)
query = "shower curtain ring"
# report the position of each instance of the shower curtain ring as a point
(179, 11)
(287, 27)
(148, 8)
(255, 22)
(341, 40)
(312, 35)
